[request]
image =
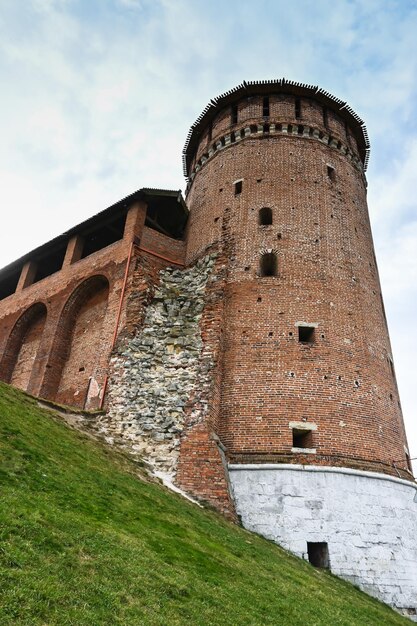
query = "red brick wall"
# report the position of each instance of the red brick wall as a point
(201, 467)
(173, 249)
(327, 276)
(85, 348)
(55, 292)
(56, 335)
(28, 349)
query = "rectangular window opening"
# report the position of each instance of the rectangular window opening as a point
(318, 554)
(297, 108)
(265, 107)
(49, 265)
(306, 334)
(234, 114)
(268, 264)
(302, 438)
(238, 187)
(103, 235)
(331, 173)
(8, 285)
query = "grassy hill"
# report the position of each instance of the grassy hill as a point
(85, 541)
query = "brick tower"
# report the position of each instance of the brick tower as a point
(308, 412)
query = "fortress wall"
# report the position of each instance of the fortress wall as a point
(162, 389)
(44, 369)
(173, 249)
(256, 347)
(56, 334)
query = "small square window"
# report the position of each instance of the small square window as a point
(302, 438)
(306, 334)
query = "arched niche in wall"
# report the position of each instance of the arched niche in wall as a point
(74, 372)
(22, 347)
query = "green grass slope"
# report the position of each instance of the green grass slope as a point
(84, 541)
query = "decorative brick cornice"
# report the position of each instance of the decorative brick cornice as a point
(302, 131)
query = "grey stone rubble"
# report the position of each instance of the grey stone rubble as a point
(160, 371)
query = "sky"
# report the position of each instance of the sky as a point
(97, 97)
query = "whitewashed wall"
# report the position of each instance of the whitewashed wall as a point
(368, 520)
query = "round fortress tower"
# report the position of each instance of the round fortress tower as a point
(309, 416)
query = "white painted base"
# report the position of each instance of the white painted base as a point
(369, 521)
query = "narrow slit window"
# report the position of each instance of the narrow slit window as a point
(234, 114)
(302, 438)
(325, 117)
(318, 554)
(391, 364)
(238, 187)
(408, 461)
(265, 216)
(331, 173)
(269, 265)
(297, 108)
(265, 106)
(306, 334)
(210, 131)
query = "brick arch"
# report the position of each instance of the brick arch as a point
(22, 346)
(78, 348)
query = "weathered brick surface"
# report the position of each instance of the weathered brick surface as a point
(29, 345)
(82, 369)
(68, 319)
(327, 275)
(54, 292)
